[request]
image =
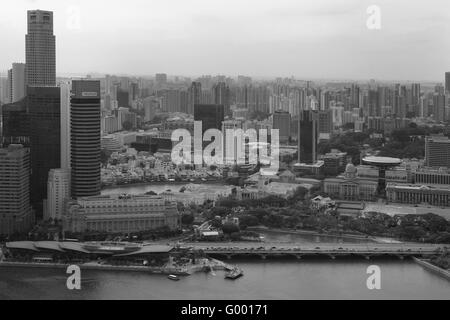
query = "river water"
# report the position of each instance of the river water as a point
(305, 279)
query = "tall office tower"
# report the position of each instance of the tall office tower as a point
(447, 82)
(40, 49)
(44, 110)
(65, 125)
(281, 120)
(15, 207)
(195, 95)
(210, 115)
(437, 151)
(58, 190)
(16, 82)
(85, 138)
(308, 136)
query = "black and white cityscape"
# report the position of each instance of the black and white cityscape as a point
(217, 150)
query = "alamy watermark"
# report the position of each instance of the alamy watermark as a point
(374, 280)
(235, 146)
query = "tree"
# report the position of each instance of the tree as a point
(127, 125)
(229, 228)
(104, 156)
(187, 219)
(248, 220)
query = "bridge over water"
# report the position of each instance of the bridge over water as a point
(332, 250)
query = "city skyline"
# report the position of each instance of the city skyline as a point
(304, 39)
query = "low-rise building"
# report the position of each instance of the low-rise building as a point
(351, 187)
(120, 214)
(418, 194)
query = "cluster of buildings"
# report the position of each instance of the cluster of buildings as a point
(53, 132)
(51, 144)
(405, 182)
(135, 167)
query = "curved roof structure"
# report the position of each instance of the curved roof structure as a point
(25, 245)
(80, 247)
(377, 161)
(73, 246)
(48, 245)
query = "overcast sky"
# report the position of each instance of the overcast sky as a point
(300, 38)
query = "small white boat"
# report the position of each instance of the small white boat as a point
(173, 277)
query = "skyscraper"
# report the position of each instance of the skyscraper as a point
(221, 95)
(15, 208)
(85, 138)
(16, 82)
(58, 190)
(65, 125)
(195, 94)
(281, 120)
(447, 82)
(43, 104)
(40, 49)
(308, 135)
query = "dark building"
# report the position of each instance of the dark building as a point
(211, 116)
(281, 120)
(16, 124)
(85, 138)
(122, 98)
(44, 105)
(447, 82)
(308, 136)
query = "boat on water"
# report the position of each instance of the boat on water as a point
(234, 273)
(173, 277)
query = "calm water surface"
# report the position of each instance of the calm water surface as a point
(306, 279)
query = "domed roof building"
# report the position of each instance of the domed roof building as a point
(349, 186)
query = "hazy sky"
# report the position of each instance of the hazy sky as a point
(301, 38)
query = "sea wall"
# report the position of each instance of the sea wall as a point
(431, 267)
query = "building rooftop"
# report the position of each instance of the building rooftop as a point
(382, 160)
(418, 186)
